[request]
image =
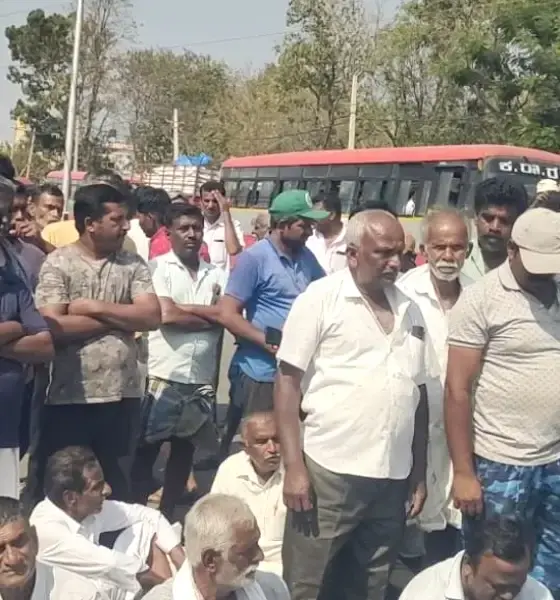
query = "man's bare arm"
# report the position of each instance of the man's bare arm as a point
(420, 440)
(191, 317)
(32, 349)
(67, 328)
(231, 317)
(10, 331)
(144, 314)
(463, 367)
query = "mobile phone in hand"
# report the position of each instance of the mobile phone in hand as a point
(272, 336)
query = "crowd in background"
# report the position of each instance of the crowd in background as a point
(392, 426)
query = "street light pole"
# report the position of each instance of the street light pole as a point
(71, 118)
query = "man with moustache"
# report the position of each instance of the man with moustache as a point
(256, 476)
(223, 554)
(502, 413)
(354, 346)
(267, 278)
(498, 202)
(182, 358)
(435, 287)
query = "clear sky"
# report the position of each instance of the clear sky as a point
(210, 27)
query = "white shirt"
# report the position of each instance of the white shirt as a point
(175, 354)
(360, 389)
(140, 239)
(443, 582)
(438, 510)
(331, 256)
(237, 477)
(74, 546)
(215, 238)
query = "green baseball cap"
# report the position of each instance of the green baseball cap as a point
(295, 203)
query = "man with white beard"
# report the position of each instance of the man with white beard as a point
(435, 287)
(223, 553)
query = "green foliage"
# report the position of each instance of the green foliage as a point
(41, 49)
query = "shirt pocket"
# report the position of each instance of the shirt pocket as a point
(407, 358)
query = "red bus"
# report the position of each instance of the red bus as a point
(430, 175)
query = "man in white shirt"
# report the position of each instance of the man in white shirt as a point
(222, 234)
(435, 287)
(353, 344)
(495, 564)
(256, 476)
(223, 554)
(182, 360)
(119, 548)
(328, 241)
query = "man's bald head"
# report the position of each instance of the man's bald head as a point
(446, 239)
(447, 219)
(375, 241)
(260, 439)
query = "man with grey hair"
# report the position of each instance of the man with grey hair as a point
(223, 553)
(353, 344)
(435, 287)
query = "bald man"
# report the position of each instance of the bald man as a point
(353, 344)
(256, 476)
(435, 287)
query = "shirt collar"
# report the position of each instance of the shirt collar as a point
(340, 238)
(398, 301)
(161, 232)
(217, 223)
(247, 471)
(172, 258)
(454, 589)
(506, 277)
(422, 283)
(60, 515)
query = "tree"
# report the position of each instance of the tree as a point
(330, 41)
(41, 49)
(153, 83)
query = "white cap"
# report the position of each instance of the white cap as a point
(537, 234)
(547, 185)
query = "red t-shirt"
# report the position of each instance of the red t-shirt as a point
(160, 244)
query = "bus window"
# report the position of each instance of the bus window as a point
(408, 191)
(450, 184)
(315, 172)
(291, 184)
(371, 191)
(290, 173)
(315, 187)
(247, 173)
(231, 187)
(424, 198)
(345, 191)
(268, 173)
(263, 193)
(244, 193)
(343, 172)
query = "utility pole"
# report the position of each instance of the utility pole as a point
(352, 123)
(175, 134)
(30, 155)
(71, 118)
(76, 153)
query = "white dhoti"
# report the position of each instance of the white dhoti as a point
(9, 470)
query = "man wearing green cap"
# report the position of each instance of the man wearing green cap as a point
(261, 289)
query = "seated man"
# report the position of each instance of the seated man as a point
(119, 548)
(21, 576)
(495, 564)
(256, 476)
(223, 554)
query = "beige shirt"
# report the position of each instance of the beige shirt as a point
(236, 477)
(360, 389)
(516, 411)
(101, 369)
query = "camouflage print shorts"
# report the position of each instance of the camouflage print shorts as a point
(171, 409)
(532, 493)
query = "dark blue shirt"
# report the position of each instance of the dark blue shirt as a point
(16, 304)
(266, 282)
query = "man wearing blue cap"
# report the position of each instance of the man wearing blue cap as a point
(261, 289)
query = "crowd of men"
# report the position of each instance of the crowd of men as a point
(397, 411)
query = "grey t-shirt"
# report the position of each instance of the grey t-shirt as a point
(516, 408)
(101, 369)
